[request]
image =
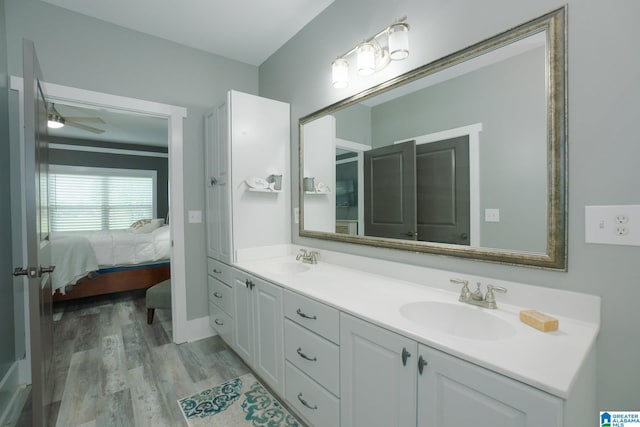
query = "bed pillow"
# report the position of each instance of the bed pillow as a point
(145, 225)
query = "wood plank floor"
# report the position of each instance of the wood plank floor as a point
(112, 369)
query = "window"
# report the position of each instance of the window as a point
(86, 198)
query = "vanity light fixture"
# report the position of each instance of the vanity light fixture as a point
(374, 53)
(55, 121)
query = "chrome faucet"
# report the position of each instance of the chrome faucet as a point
(310, 257)
(476, 297)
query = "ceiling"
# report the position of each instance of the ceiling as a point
(248, 31)
(119, 126)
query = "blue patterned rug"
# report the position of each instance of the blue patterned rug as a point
(242, 401)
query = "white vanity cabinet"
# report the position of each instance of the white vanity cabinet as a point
(220, 296)
(453, 392)
(378, 383)
(382, 369)
(258, 329)
(312, 352)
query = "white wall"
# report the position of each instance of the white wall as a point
(604, 147)
(78, 51)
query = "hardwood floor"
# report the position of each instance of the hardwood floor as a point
(112, 369)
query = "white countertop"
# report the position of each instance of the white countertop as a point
(548, 361)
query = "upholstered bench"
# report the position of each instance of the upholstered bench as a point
(158, 296)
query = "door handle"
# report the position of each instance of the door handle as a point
(464, 236)
(411, 234)
(29, 271)
(47, 269)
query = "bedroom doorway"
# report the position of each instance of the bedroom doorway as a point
(173, 115)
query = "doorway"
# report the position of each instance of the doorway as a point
(174, 115)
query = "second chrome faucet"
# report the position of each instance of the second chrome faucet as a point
(476, 298)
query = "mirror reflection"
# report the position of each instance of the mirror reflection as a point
(464, 156)
(458, 157)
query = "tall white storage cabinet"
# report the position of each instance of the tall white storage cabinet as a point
(247, 140)
(247, 137)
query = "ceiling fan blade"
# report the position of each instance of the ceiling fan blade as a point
(85, 119)
(83, 127)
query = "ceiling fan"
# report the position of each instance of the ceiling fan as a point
(57, 120)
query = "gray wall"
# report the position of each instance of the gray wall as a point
(508, 98)
(7, 342)
(354, 124)
(118, 161)
(604, 105)
(86, 53)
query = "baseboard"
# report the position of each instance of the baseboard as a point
(196, 329)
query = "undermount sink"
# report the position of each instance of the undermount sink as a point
(459, 320)
(286, 267)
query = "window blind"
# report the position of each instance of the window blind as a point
(99, 199)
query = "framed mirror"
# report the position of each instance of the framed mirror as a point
(464, 156)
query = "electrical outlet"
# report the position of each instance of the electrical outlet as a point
(622, 219)
(621, 230)
(612, 225)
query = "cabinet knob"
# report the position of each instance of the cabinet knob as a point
(405, 356)
(421, 364)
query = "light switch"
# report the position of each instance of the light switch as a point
(492, 215)
(195, 217)
(612, 225)
(296, 215)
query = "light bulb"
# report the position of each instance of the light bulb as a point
(340, 73)
(366, 59)
(399, 41)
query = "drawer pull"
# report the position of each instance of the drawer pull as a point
(306, 316)
(304, 356)
(219, 322)
(217, 271)
(304, 402)
(217, 295)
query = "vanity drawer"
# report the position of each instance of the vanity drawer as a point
(313, 402)
(221, 322)
(319, 318)
(220, 294)
(315, 356)
(219, 270)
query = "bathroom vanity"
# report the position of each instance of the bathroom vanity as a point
(353, 341)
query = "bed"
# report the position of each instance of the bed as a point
(92, 263)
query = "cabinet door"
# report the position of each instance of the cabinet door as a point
(269, 332)
(243, 317)
(377, 388)
(218, 194)
(453, 393)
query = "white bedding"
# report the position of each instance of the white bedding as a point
(109, 248)
(73, 257)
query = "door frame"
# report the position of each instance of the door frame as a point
(183, 329)
(473, 132)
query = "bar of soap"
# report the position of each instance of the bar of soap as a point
(539, 320)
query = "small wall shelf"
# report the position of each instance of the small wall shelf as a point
(263, 190)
